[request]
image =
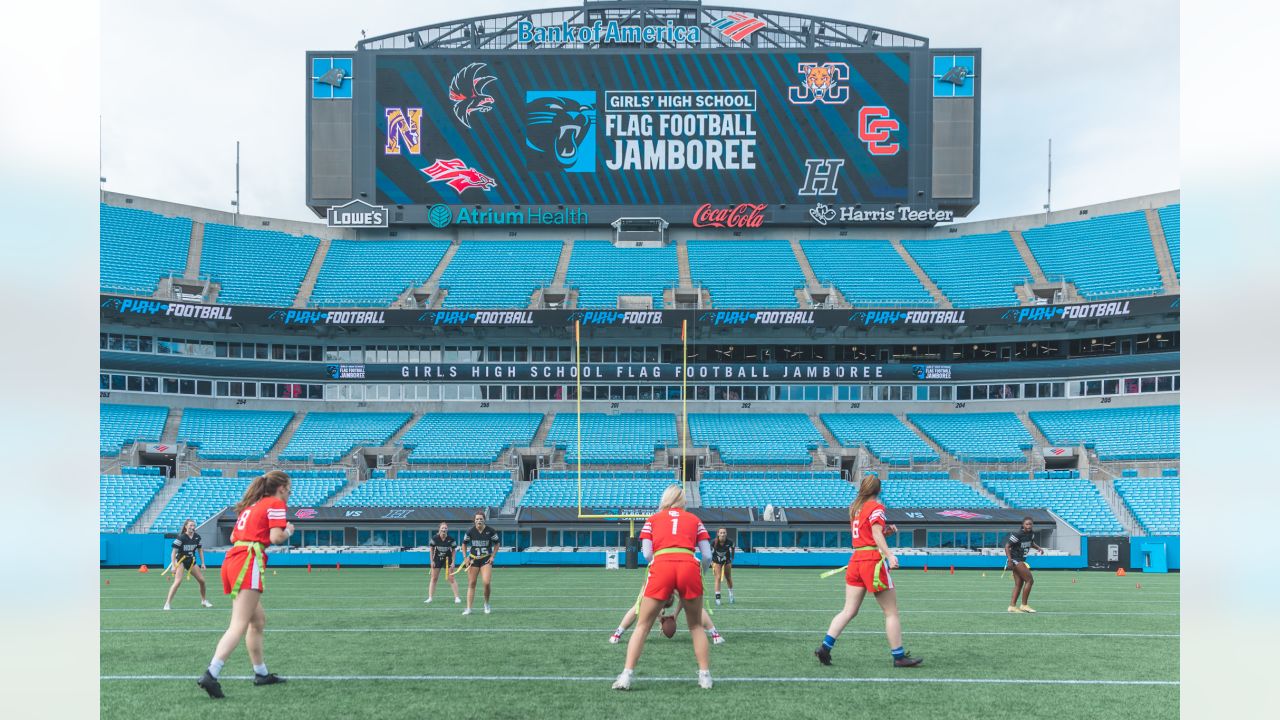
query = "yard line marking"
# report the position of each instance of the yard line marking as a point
(609, 678)
(520, 609)
(602, 631)
(631, 596)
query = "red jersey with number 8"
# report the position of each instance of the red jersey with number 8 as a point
(255, 523)
(674, 528)
(871, 513)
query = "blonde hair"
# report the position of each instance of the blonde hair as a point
(869, 488)
(673, 496)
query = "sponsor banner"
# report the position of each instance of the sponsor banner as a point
(371, 514)
(1032, 316)
(357, 214)
(345, 372)
(657, 372)
(1059, 452)
(931, 372)
(916, 517)
(160, 448)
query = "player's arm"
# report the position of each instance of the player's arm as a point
(1008, 548)
(281, 535)
(877, 533)
(1037, 547)
(493, 547)
(200, 549)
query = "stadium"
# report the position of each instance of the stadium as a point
(726, 250)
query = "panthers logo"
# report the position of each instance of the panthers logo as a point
(559, 134)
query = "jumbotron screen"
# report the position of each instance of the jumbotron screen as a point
(637, 128)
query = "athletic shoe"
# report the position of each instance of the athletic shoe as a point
(907, 661)
(486, 609)
(457, 601)
(624, 681)
(210, 685)
(166, 606)
(206, 603)
(467, 611)
(1014, 609)
(730, 597)
(824, 654)
(717, 638)
(268, 679)
(717, 602)
(1026, 609)
(615, 638)
(704, 679)
(427, 601)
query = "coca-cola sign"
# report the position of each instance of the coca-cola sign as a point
(742, 215)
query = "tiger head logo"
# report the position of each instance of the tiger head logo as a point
(820, 81)
(556, 128)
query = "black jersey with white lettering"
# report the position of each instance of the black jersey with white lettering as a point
(481, 543)
(442, 548)
(722, 554)
(186, 545)
(1019, 544)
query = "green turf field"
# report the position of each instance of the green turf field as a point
(361, 644)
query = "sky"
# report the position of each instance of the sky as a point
(1076, 72)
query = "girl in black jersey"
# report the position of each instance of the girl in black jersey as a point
(443, 547)
(481, 542)
(183, 560)
(1021, 542)
(722, 562)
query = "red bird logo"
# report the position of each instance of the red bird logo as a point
(456, 174)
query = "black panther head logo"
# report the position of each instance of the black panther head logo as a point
(555, 128)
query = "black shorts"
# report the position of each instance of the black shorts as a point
(719, 561)
(186, 561)
(481, 561)
(440, 562)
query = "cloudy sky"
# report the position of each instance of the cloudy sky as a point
(181, 82)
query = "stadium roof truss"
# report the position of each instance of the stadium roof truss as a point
(780, 31)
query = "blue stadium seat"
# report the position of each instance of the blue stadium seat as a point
(867, 272)
(618, 490)
(1146, 433)
(761, 439)
(973, 271)
(120, 425)
(373, 273)
(256, 267)
(122, 498)
(1106, 257)
(788, 489)
(930, 490)
(747, 274)
(616, 439)
(1156, 503)
(137, 248)
(883, 434)
(499, 274)
(977, 437)
(433, 488)
(232, 434)
(200, 498)
(468, 437)
(602, 272)
(1171, 225)
(1078, 502)
(324, 437)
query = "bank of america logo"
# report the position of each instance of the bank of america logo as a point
(738, 26)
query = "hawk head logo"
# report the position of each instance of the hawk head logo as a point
(466, 90)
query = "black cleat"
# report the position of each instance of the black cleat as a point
(210, 685)
(907, 661)
(824, 654)
(268, 679)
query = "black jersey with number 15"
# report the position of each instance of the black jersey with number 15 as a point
(482, 543)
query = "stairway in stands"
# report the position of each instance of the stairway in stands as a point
(153, 508)
(942, 300)
(313, 272)
(1168, 275)
(273, 454)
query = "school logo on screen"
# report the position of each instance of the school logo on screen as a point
(560, 130)
(821, 83)
(466, 90)
(458, 175)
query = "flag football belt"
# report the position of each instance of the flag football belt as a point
(876, 584)
(663, 551)
(255, 557)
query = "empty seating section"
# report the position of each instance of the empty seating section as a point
(602, 272)
(200, 497)
(786, 489)
(138, 247)
(1154, 502)
(621, 490)
(120, 425)
(310, 492)
(1078, 502)
(1149, 433)
(974, 270)
(1171, 226)
(324, 438)
(433, 488)
(930, 490)
(867, 272)
(883, 434)
(232, 434)
(618, 439)
(977, 437)
(373, 273)
(754, 274)
(256, 267)
(766, 439)
(499, 274)
(1105, 257)
(468, 437)
(122, 498)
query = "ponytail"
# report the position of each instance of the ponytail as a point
(262, 486)
(869, 488)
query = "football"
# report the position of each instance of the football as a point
(669, 625)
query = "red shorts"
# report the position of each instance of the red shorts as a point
(231, 564)
(682, 576)
(862, 573)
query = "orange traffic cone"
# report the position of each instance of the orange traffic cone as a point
(926, 568)
(337, 566)
(1120, 572)
(143, 569)
(108, 582)
(308, 568)
(953, 569)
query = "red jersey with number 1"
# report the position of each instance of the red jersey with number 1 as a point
(871, 513)
(255, 523)
(674, 528)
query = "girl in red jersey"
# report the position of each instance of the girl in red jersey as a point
(868, 571)
(261, 521)
(668, 541)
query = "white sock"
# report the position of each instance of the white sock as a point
(711, 630)
(620, 630)
(260, 669)
(215, 667)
